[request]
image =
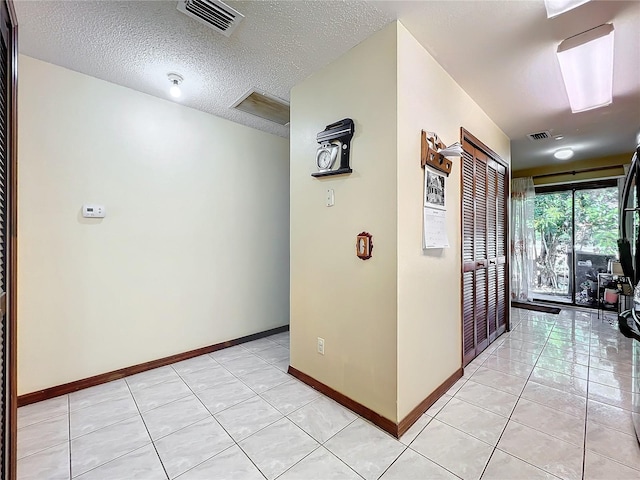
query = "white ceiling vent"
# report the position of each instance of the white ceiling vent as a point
(264, 106)
(539, 136)
(213, 13)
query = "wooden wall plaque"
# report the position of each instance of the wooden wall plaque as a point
(430, 156)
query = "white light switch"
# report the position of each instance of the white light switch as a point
(93, 211)
(331, 199)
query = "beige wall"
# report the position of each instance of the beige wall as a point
(429, 301)
(334, 295)
(392, 324)
(197, 223)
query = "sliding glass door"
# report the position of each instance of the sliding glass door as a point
(596, 235)
(575, 237)
(554, 246)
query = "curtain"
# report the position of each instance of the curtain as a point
(522, 239)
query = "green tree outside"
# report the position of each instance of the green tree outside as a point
(596, 229)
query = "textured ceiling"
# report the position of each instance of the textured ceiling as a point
(136, 43)
(501, 52)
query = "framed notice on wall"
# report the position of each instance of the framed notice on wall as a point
(434, 185)
(434, 231)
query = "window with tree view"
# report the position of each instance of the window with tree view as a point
(575, 237)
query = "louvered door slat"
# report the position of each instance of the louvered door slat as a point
(481, 209)
(501, 215)
(482, 334)
(501, 297)
(468, 320)
(467, 208)
(492, 231)
(492, 301)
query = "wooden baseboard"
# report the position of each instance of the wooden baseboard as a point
(365, 412)
(70, 387)
(397, 430)
(424, 405)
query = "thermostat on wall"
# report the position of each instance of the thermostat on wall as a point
(93, 211)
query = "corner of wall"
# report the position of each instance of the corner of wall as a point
(350, 303)
(429, 282)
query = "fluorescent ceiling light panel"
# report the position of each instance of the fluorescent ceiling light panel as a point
(586, 62)
(558, 7)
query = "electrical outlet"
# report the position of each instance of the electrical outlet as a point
(321, 346)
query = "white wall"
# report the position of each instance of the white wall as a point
(193, 250)
(349, 302)
(429, 287)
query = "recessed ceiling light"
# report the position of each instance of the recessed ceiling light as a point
(559, 137)
(558, 7)
(564, 154)
(175, 79)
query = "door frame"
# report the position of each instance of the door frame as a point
(465, 135)
(11, 408)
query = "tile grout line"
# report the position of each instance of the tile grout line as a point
(124, 454)
(479, 406)
(148, 432)
(394, 460)
(37, 452)
(300, 460)
(42, 421)
(339, 459)
(139, 414)
(266, 426)
(418, 434)
(508, 418)
(209, 412)
(248, 457)
(235, 377)
(296, 463)
(236, 443)
(586, 407)
(243, 382)
(342, 429)
(69, 421)
(455, 428)
(204, 461)
(494, 447)
(259, 394)
(505, 426)
(433, 461)
(284, 416)
(320, 444)
(562, 373)
(126, 418)
(514, 408)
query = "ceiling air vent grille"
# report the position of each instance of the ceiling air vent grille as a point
(264, 106)
(213, 13)
(539, 136)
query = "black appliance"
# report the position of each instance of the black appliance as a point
(629, 247)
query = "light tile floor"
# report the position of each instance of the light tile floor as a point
(550, 399)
